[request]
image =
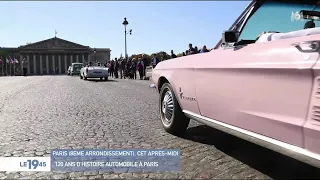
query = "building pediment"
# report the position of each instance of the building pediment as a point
(54, 43)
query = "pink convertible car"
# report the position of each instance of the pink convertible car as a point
(260, 83)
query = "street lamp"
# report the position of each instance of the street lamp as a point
(95, 57)
(125, 23)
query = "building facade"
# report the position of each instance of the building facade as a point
(54, 56)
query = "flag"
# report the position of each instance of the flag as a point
(55, 32)
(11, 60)
(0, 60)
(16, 60)
(8, 60)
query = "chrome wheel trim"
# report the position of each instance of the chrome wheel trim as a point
(167, 108)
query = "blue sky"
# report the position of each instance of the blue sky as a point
(156, 25)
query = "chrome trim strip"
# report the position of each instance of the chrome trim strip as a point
(267, 142)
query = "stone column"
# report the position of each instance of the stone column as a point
(41, 69)
(59, 58)
(34, 65)
(89, 57)
(21, 65)
(47, 64)
(53, 64)
(77, 58)
(82, 58)
(28, 63)
(71, 59)
(65, 64)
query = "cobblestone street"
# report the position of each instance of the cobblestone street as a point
(40, 113)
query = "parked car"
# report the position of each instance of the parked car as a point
(75, 68)
(262, 87)
(94, 71)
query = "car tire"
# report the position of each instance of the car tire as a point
(71, 74)
(81, 77)
(106, 79)
(173, 119)
(101, 79)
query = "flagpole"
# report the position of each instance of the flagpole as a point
(1, 66)
(10, 67)
(6, 66)
(14, 66)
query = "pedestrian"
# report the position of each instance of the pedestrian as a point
(116, 68)
(140, 68)
(145, 64)
(122, 68)
(134, 68)
(154, 61)
(204, 49)
(173, 55)
(128, 69)
(191, 50)
(111, 68)
(196, 51)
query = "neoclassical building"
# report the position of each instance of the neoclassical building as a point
(54, 55)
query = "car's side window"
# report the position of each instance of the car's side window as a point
(274, 16)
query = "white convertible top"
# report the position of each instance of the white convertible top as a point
(276, 36)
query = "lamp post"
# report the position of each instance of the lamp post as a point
(125, 23)
(95, 57)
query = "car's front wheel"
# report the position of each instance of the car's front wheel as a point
(106, 78)
(173, 119)
(81, 77)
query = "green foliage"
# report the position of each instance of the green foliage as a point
(4, 53)
(179, 55)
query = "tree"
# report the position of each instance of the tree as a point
(179, 55)
(4, 53)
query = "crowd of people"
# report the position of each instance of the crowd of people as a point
(129, 69)
(191, 50)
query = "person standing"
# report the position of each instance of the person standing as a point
(25, 65)
(116, 68)
(122, 68)
(128, 69)
(154, 61)
(140, 68)
(134, 68)
(173, 55)
(191, 50)
(145, 63)
(204, 49)
(112, 68)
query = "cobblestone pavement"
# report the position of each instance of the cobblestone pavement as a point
(41, 113)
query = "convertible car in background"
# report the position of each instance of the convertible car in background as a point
(260, 83)
(94, 71)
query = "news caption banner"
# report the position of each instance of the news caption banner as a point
(116, 160)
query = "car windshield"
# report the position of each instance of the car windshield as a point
(77, 66)
(276, 16)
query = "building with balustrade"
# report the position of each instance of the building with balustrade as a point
(54, 56)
